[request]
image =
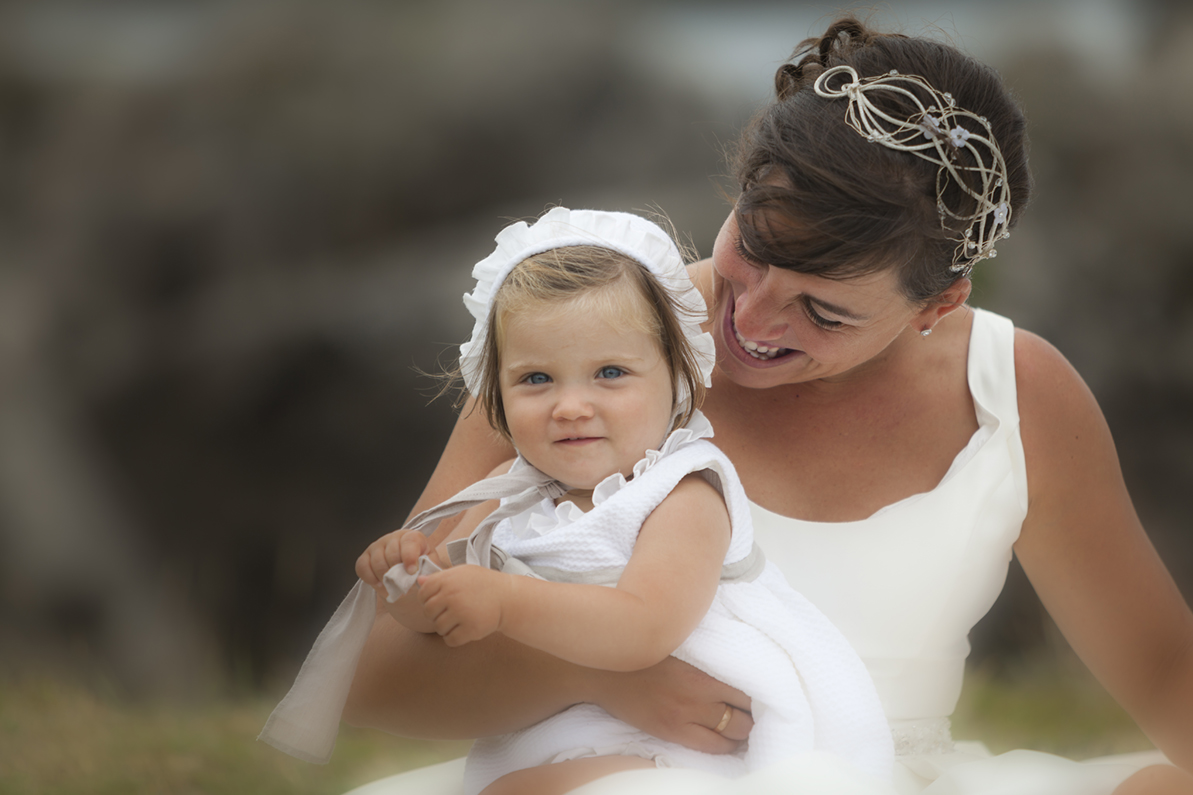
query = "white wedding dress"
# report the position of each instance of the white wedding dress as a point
(905, 586)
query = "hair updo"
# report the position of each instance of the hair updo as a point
(818, 198)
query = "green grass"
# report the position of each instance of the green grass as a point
(1053, 707)
(58, 737)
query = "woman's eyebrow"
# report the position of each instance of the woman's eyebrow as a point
(834, 309)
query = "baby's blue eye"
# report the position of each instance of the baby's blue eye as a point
(611, 372)
(537, 378)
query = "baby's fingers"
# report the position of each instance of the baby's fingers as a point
(411, 547)
(450, 624)
(370, 566)
(364, 570)
(437, 609)
(457, 636)
(428, 589)
(381, 558)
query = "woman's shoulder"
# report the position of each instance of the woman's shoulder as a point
(1044, 379)
(1046, 382)
(1061, 425)
(701, 275)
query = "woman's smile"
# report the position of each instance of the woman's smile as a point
(778, 326)
(749, 352)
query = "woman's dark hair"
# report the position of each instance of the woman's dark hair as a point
(818, 198)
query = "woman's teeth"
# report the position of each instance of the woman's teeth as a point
(756, 350)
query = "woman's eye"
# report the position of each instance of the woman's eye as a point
(537, 378)
(819, 320)
(611, 372)
(740, 247)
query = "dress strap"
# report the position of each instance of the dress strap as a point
(991, 373)
(991, 367)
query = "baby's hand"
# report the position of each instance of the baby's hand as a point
(465, 602)
(400, 546)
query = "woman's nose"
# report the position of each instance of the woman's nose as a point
(755, 315)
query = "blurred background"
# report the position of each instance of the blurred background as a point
(232, 232)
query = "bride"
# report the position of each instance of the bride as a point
(896, 445)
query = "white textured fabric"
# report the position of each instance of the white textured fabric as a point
(904, 586)
(809, 690)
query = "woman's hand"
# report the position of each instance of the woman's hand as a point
(676, 702)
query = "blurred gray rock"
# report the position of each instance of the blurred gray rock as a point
(231, 232)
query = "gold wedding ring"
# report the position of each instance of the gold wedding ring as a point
(720, 727)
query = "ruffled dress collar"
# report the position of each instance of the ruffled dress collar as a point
(547, 516)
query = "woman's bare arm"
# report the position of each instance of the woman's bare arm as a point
(412, 684)
(1090, 560)
(473, 451)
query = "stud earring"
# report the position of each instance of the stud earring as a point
(925, 332)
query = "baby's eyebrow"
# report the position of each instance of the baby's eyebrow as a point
(510, 367)
(520, 364)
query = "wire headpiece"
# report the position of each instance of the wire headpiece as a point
(934, 133)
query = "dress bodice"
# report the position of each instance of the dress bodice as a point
(908, 583)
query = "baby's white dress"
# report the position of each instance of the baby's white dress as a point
(905, 586)
(809, 690)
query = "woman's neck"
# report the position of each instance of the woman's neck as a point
(839, 451)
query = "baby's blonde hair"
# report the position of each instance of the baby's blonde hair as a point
(610, 280)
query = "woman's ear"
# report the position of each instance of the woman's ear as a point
(944, 304)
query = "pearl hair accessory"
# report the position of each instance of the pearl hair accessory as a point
(934, 133)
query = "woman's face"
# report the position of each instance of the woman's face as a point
(774, 326)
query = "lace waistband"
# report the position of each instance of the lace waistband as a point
(924, 736)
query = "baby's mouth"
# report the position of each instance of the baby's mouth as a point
(762, 352)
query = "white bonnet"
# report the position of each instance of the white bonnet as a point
(628, 234)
